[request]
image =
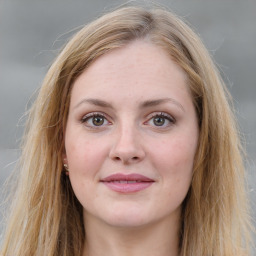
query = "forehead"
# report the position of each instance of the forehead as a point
(141, 54)
(140, 67)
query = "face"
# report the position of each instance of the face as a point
(131, 137)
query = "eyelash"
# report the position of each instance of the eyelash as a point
(89, 116)
(166, 116)
(92, 115)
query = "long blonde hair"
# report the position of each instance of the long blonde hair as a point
(46, 217)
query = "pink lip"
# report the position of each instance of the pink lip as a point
(127, 183)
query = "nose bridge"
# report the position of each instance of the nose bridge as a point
(126, 131)
(126, 144)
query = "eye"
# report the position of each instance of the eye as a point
(95, 120)
(160, 120)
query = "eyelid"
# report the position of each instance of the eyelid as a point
(94, 114)
(160, 113)
(169, 117)
(87, 116)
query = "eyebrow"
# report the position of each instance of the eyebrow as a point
(152, 103)
(96, 102)
(145, 104)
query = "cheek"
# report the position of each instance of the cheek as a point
(85, 160)
(84, 155)
(176, 155)
(174, 161)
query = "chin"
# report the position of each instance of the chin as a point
(127, 219)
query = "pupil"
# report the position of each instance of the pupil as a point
(158, 121)
(98, 120)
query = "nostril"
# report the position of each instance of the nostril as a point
(117, 158)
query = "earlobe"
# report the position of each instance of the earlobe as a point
(66, 169)
(64, 155)
(65, 163)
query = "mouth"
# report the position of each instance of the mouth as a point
(127, 183)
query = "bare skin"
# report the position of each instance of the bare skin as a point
(131, 113)
(132, 242)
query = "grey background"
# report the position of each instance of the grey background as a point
(31, 32)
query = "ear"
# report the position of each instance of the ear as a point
(64, 158)
(65, 163)
(64, 154)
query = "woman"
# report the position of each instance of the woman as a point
(131, 148)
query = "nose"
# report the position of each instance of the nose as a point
(127, 147)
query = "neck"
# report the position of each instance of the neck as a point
(158, 239)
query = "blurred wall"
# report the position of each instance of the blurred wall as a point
(31, 32)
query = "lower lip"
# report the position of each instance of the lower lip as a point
(127, 187)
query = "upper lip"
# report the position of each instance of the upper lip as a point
(126, 177)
